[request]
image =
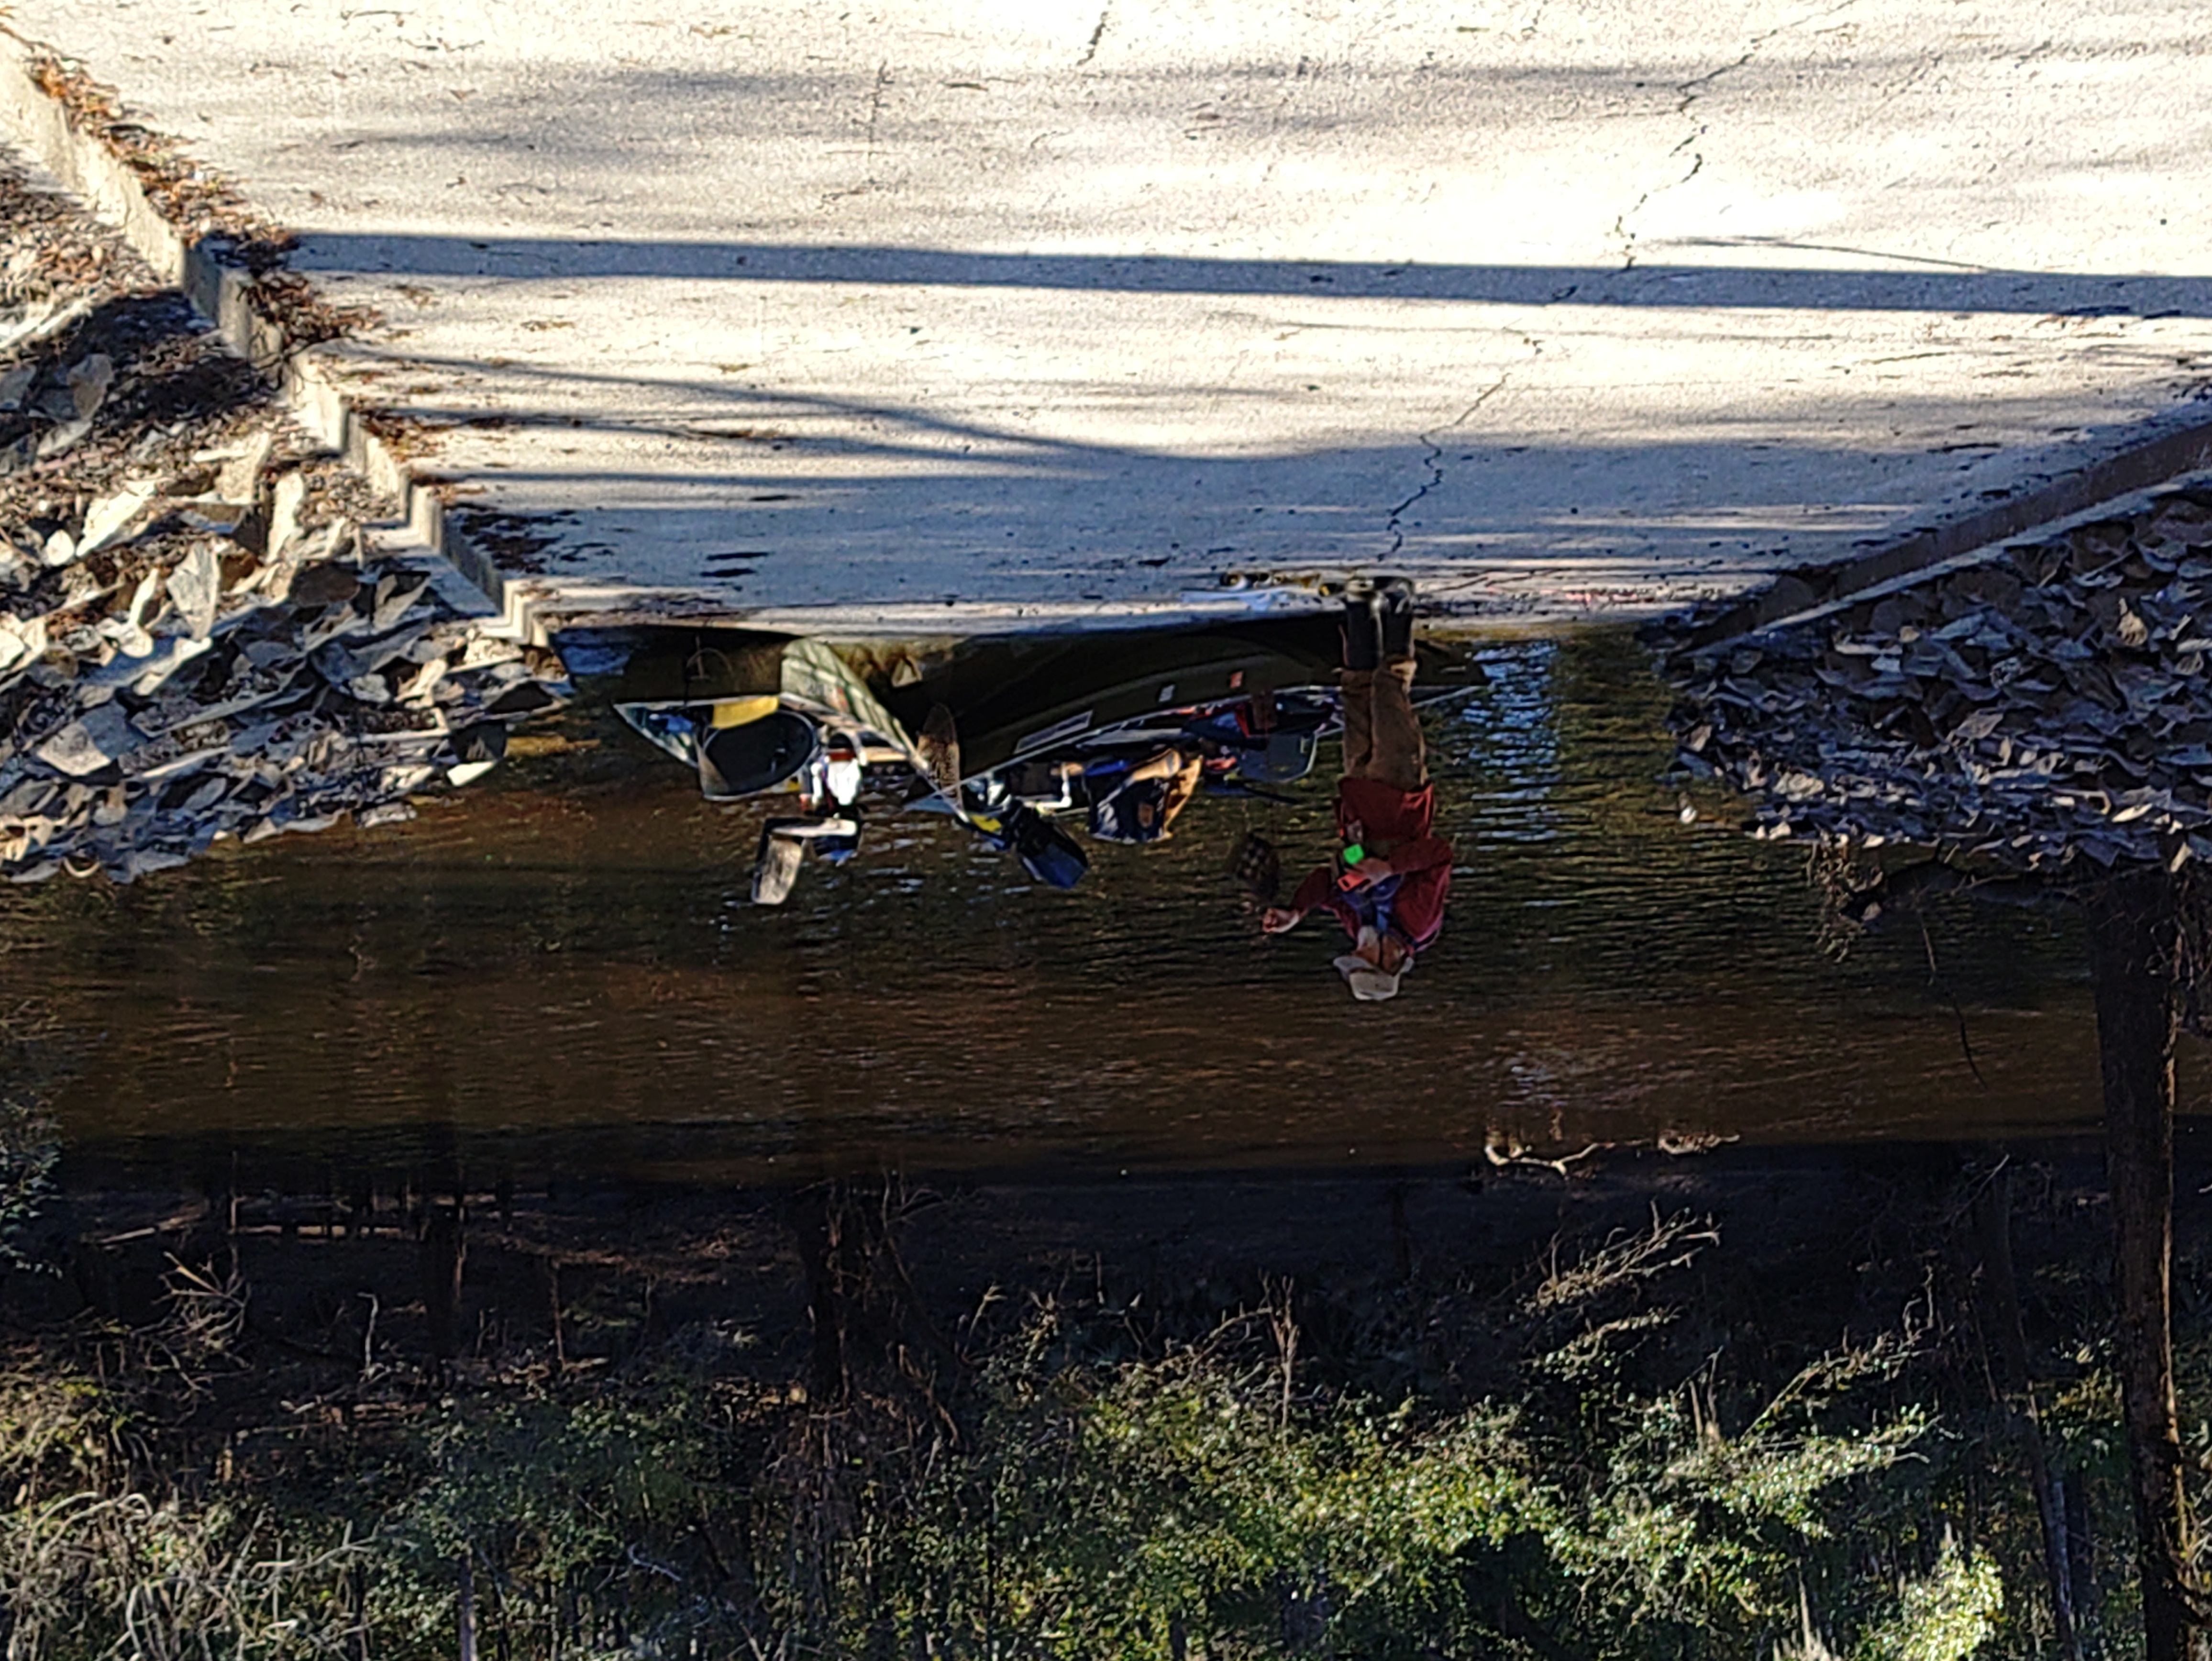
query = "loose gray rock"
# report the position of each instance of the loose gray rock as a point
(88, 382)
(195, 590)
(95, 742)
(2048, 708)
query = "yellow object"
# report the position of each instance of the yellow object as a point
(742, 712)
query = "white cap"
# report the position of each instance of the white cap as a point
(1368, 984)
(1372, 985)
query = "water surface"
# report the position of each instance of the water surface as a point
(567, 951)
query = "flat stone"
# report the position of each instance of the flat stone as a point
(196, 589)
(107, 519)
(87, 382)
(96, 741)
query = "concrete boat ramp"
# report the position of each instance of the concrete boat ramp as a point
(948, 317)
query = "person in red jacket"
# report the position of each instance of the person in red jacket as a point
(1390, 879)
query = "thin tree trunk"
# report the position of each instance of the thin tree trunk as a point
(1996, 1222)
(466, 1649)
(553, 1312)
(2132, 963)
(358, 1632)
(2081, 1551)
(816, 1219)
(441, 1254)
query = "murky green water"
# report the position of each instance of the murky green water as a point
(567, 951)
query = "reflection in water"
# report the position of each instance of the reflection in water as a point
(1119, 732)
(572, 944)
(1391, 875)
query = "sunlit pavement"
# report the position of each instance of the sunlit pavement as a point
(1572, 310)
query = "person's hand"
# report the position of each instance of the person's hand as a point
(1277, 920)
(1370, 871)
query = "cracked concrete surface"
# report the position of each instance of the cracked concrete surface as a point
(883, 313)
(1433, 460)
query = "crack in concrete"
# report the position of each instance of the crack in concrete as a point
(1927, 65)
(1434, 460)
(1694, 89)
(1689, 93)
(1090, 46)
(876, 113)
(868, 154)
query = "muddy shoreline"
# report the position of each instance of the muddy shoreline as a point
(726, 1252)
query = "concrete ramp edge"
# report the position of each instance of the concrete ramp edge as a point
(224, 295)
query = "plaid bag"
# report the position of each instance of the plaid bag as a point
(1256, 864)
